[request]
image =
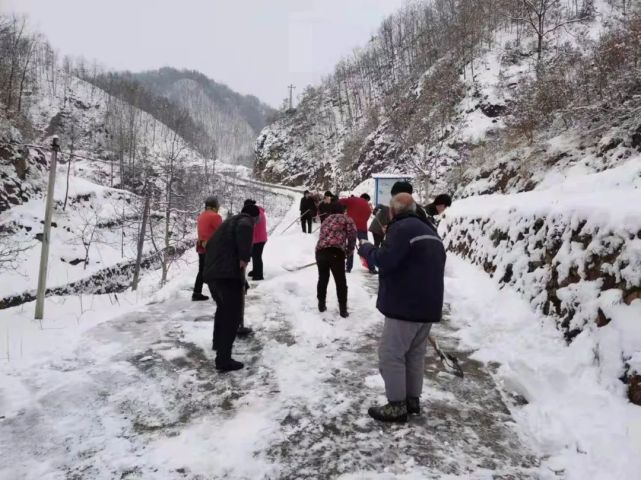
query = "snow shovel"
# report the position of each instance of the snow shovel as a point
(449, 361)
(301, 267)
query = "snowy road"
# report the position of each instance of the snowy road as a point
(137, 397)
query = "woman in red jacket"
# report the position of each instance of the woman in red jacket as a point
(260, 239)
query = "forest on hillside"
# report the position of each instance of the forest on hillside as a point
(406, 100)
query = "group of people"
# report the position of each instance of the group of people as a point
(407, 253)
(225, 249)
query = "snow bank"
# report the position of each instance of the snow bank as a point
(577, 423)
(574, 251)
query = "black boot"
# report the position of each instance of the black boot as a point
(198, 297)
(321, 305)
(392, 412)
(413, 406)
(244, 331)
(343, 311)
(228, 365)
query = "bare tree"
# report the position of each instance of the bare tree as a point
(544, 17)
(141, 236)
(88, 231)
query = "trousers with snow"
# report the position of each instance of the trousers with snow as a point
(331, 260)
(361, 235)
(401, 356)
(230, 305)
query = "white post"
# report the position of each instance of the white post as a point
(44, 253)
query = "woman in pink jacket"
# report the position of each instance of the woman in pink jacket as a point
(260, 238)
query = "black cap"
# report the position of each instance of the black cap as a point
(328, 194)
(366, 196)
(249, 201)
(402, 187)
(443, 199)
(251, 210)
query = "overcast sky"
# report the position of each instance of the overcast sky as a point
(254, 46)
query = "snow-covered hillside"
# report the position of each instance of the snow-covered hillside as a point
(555, 138)
(415, 104)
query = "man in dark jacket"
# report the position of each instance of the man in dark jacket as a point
(411, 262)
(228, 253)
(438, 206)
(307, 211)
(325, 207)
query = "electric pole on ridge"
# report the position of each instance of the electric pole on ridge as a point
(291, 101)
(44, 253)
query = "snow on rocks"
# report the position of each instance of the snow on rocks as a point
(574, 251)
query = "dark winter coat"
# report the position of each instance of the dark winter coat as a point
(411, 264)
(307, 206)
(231, 243)
(431, 213)
(381, 219)
(324, 210)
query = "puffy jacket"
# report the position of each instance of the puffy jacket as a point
(337, 231)
(307, 206)
(324, 210)
(411, 265)
(381, 219)
(208, 222)
(359, 210)
(260, 229)
(231, 243)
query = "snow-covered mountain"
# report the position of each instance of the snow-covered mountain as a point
(222, 122)
(113, 157)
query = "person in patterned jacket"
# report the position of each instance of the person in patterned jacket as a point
(336, 242)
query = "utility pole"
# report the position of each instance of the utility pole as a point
(291, 102)
(44, 253)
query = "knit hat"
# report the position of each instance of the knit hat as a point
(443, 199)
(402, 187)
(251, 210)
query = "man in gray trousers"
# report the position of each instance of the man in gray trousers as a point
(411, 263)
